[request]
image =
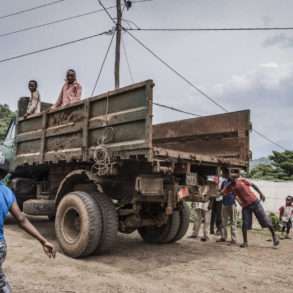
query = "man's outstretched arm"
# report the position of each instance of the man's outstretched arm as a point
(27, 226)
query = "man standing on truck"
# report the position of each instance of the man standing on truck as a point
(71, 90)
(246, 193)
(8, 204)
(34, 105)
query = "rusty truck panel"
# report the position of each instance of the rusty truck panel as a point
(120, 119)
(223, 136)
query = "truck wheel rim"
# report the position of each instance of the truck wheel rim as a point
(71, 225)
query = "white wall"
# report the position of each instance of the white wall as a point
(275, 193)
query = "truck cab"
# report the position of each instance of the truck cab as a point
(7, 146)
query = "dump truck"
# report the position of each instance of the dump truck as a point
(99, 166)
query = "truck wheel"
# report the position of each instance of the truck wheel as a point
(163, 234)
(110, 223)
(184, 222)
(172, 228)
(78, 224)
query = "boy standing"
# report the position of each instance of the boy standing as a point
(199, 213)
(229, 211)
(34, 105)
(286, 216)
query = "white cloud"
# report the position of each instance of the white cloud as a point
(268, 92)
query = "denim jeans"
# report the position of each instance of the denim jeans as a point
(4, 285)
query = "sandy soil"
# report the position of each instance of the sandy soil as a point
(188, 266)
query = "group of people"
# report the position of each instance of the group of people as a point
(233, 189)
(70, 93)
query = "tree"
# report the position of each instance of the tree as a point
(5, 117)
(283, 161)
(281, 167)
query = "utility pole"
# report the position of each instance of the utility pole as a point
(118, 43)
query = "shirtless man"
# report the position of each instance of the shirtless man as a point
(246, 194)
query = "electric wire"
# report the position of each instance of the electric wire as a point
(107, 12)
(197, 88)
(175, 109)
(269, 139)
(102, 66)
(127, 61)
(150, 51)
(31, 9)
(212, 29)
(29, 28)
(176, 72)
(52, 47)
(185, 79)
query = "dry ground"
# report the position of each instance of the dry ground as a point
(188, 266)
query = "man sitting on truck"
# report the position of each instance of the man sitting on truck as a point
(8, 204)
(247, 197)
(71, 90)
(34, 105)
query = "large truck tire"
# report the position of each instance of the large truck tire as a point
(184, 222)
(163, 234)
(110, 223)
(78, 224)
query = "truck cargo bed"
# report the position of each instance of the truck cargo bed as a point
(121, 121)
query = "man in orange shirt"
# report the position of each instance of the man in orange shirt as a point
(246, 194)
(71, 91)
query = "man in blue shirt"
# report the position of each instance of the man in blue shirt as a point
(229, 211)
(8, 204)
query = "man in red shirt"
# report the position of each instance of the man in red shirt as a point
(71, 91)
(246, 194)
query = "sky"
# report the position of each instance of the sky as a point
(241, 70)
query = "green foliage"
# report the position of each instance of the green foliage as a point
(275, 221)
(281, 167)
(5, 117)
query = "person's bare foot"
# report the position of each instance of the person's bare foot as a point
(276, 242)
(192, 237)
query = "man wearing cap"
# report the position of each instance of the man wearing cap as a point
(246, 194)
(8, 204)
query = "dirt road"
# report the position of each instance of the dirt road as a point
(188, 266)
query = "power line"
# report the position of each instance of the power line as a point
(177, 73)
(53, 22)
(107, 12)
(175, 109)
(103, 64)
(268, 139)
(196, 87)
(127, 61)
(212, 29)
(31, 9)
(52, 47)
(140, 1)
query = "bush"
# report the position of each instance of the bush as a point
(275, 221)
